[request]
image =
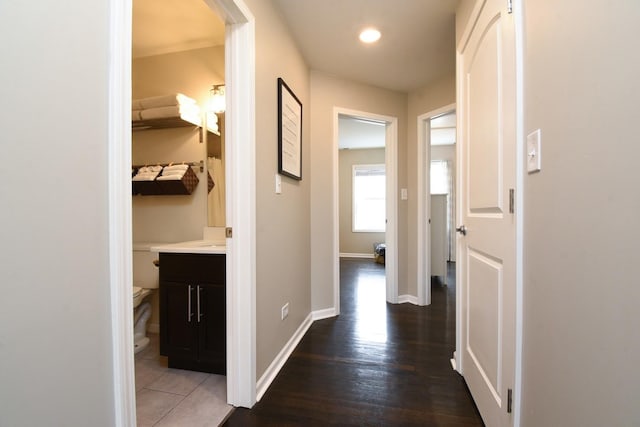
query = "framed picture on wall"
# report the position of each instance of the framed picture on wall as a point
(289, 132)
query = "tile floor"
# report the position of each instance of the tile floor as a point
(175, 397)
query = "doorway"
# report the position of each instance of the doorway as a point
(362, 188)
(390, 205)
(240, 178)
(436, 201)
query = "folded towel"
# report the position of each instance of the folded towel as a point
(135, 115)
(213, 128)
(145, 177)
(146, 169)
(175, 168)
(172, 177)
(136, 104)
(212, 118)
(172, 111)
(165, 101)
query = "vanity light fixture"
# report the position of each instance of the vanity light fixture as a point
(217, 102)
(369, 35)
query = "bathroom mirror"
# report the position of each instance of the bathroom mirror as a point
(216, 205)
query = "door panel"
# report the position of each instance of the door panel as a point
(484, 178)
(484, 332)
(487, 90)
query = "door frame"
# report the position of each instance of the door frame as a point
(391, 233)
(241, 265)
(423, 250)
(518, 17)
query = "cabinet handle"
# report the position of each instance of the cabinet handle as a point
(189, 314)
(198, 302)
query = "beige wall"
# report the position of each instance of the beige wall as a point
(55, 321)
(282, 220)
(326, 93)
(192, 72)
(463, 12)
(430, 98)
(581, 293)
(350, 242)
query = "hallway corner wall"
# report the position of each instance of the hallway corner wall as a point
(421, 101)
(326, 93)
(581, 340)
(282, 220)
(55, 309)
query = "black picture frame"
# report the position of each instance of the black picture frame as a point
(289, 132)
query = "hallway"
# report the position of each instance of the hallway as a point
(376, 364)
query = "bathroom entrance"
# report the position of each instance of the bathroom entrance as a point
(178, 70)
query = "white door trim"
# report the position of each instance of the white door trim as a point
(518, 20)
(240, 69)
(423, 250)
(119, 199)
(240, 200)
(391, 235)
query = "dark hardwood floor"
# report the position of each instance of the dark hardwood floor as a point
(376, 364)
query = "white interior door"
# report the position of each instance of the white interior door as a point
(488, 167)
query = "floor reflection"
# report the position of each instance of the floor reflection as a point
(370, 306)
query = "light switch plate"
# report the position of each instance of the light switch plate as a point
(534, 163)
(278, 184)
(403, 194)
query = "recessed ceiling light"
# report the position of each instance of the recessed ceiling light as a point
(369, 35)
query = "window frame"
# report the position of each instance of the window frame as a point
(371, 167)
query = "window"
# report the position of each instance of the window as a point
(369, 207)
(439, 177)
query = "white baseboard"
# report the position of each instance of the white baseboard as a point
(270, 374)
(407, 298)
(350, 255)
(153, 328)
(323, 314)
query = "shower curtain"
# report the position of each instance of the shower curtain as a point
(215, 202)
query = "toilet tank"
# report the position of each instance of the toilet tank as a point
(145, 274)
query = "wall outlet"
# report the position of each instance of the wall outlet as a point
(285, 311)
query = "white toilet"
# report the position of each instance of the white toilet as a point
(145, 280)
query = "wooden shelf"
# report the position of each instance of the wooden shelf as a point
(165, 123)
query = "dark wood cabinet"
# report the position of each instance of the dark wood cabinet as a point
(193, 311)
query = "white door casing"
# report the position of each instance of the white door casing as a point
(487, 159)
(391, 234)
(423, 250)
(240, 71)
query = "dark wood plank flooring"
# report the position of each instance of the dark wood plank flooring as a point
(376, 364)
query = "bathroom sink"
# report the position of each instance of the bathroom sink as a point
(201, 244)
(193, 246)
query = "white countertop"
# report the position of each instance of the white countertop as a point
(192, 247)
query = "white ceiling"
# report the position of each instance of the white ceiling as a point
(417, 44)
(443, 129)
(164, 26)
(355, 133)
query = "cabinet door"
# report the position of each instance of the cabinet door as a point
(212, 326)
(178, 320)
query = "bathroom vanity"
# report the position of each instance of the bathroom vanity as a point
(193, 306)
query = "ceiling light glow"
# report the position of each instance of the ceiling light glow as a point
(369, 35)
